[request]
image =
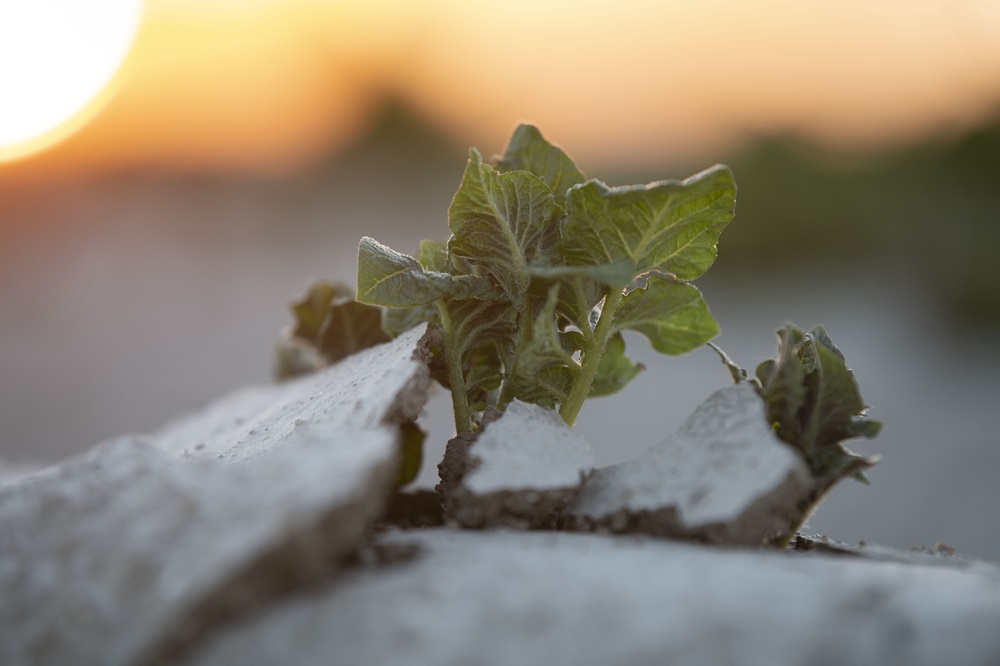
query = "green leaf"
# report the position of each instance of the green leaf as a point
(503, 223)
(484, 373)
(411, 448)
(582, 287)
(618, 274)
(529, 151)
(671, 313)
(785, 390)
(544, 366)
(310, 313)
(862, 427)
(434, 256)
(616, 369)
(350, 327)
(392, 279)
(396, 321)
(838, 405)
(478, 329)
(670, 226)
(813, 400)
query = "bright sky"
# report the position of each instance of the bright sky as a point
(268, 85)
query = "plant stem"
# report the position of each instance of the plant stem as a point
(453, 358)
(592, 353)
(523, 336)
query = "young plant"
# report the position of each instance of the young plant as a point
(813, 403)
(543, 272)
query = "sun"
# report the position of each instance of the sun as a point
(60, 61)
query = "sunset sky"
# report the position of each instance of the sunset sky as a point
(270, 86)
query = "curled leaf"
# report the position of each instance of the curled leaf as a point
(393, 279)
(813, 399)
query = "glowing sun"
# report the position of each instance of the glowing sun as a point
(59, 62)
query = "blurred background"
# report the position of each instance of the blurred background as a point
(147, 258)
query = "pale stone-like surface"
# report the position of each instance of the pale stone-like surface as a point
(519, 471)
(135, 550)
(388, 383)
(502, 598)
(528, 448)
(11, 472)
(724, 477)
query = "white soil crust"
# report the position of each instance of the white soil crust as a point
(723, 478)
(519, 471)
(140, 548)
(196, 545)
(496, 598)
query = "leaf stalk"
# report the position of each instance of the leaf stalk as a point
(453, 358)
(591, 361)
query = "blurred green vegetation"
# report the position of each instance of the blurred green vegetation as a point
(933, 209)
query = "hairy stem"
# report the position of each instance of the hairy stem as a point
(592, 353)
(453, 357)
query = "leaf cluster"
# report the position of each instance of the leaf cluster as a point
(813, 403)
(543, 272)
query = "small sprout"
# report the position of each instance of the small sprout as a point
(813, 403)
(543, 272)
(529, 298)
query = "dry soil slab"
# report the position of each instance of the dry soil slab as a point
(134, 551)
(501, 598)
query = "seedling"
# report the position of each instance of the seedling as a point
(813, 403)
(543, 272)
